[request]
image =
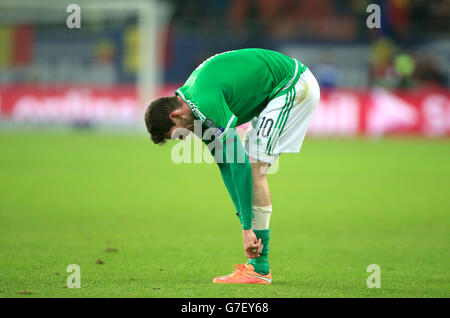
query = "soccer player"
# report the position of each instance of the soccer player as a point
(277, 95)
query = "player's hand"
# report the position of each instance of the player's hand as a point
(252, 246)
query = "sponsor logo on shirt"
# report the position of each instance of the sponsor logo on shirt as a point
(220, 130)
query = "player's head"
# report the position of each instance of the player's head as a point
(168, 116)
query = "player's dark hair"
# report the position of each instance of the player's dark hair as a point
(157, 117)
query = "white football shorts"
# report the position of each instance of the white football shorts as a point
(282, 125)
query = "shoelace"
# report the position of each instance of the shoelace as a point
(240, 269)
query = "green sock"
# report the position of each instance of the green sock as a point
(261, 264)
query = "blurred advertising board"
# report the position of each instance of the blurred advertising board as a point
(30, 104)
(378, 112)
(342, 112)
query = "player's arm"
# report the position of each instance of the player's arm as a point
(227, 176)
(237, 176)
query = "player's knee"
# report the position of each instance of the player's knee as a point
(259, 170)
(259, 180)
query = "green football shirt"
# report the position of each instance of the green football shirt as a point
(231, 88)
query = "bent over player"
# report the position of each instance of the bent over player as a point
(274, 92)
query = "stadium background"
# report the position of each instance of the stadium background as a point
(81, 182)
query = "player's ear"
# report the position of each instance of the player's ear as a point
(175, 114)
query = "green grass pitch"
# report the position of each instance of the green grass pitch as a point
(165, 230)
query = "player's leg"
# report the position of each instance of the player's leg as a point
(262, 210)
(257, 271)
(261, 191)
(256, 143)
(280, 128)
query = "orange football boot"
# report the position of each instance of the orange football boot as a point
(244, 274)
